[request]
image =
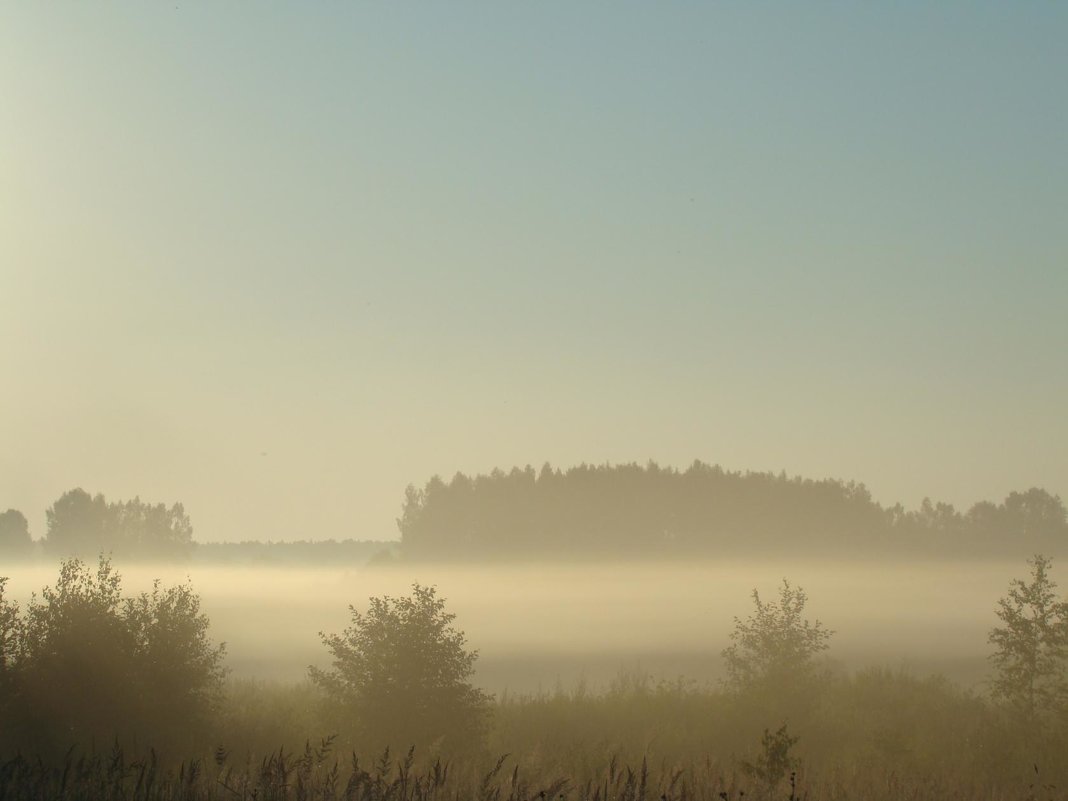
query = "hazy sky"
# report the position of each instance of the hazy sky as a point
(279, 261)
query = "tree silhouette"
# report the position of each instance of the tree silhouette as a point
(631, 510)
(80, 524)
(9, 645)
(774, 649)
(81, 663)
(401, 674)
(14, 533)
(1031, 653)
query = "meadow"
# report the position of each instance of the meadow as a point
(607, 682)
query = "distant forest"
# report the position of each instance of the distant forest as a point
(585, 512)
(649, 511)
(83, 525)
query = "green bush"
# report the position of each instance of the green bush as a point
(401, 675)
(82, 664)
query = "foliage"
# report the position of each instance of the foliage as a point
(81, 524)
(1031, 655)
(774, 760)
(774, 649)
(634, 510)
(14, 533)
(871, 726)
(9, 642)
(626, 509)
(258, 716)
(401, 673)
(646, 740)
(177, 666)
(875, 734)
(83, 663)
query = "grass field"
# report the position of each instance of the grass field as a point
(869, 728)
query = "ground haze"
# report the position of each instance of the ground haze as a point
(538, 626)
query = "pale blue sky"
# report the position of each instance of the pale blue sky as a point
(380, 242)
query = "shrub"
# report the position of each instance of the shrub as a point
(401, 674)
(82, 664)
(772, 652)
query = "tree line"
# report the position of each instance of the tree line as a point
(650, 511)
(587, 511)
(81, 524)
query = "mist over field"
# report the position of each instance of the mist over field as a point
(540, 626)
(533, 402)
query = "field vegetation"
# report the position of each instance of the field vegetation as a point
(108, 696)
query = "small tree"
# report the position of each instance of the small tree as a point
(1032, 645)
(774, 649)
(774, 760)
(401, 673)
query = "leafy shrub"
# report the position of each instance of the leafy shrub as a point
(401, 674)
(84, 664)
(773, 651)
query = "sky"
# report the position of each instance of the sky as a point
(279, 261)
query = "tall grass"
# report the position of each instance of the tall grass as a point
(316, 772)
(875, 735)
